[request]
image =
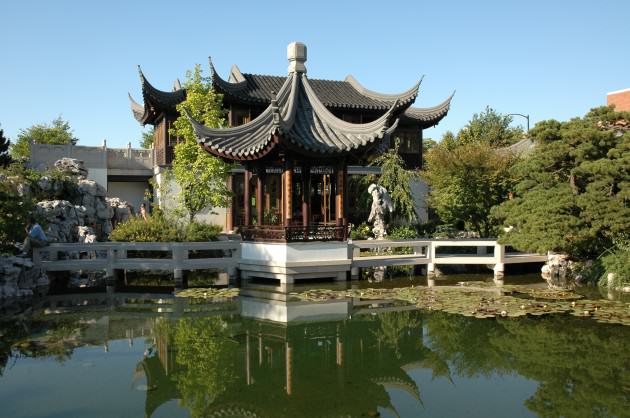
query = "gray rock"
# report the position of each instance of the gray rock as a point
(71, 166)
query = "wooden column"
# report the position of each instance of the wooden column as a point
(287, 192)
(248, 368)
(340, 174)
(229, 216)
(259, 195)
(246, 196)
(306, 195)
(289, 368)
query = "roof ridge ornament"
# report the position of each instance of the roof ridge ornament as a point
(235, 75)
(404, 96)
(296, 54)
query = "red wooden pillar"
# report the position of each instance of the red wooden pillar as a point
(340, 175)
(246, 196)
(229, 216)
(306, 195)
(287, 195)
(259, 195)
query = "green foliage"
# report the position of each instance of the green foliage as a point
(5, 158)
(201, 232)
(573, 192)
(466, 181)
(14, 211)
(616, 262)
(361, 231)
(146, 140)
(163, 228)
(427, 145)
(403, 232)
(200, 176)
(157, 228)
(489, 127)
(58, 132)
(396, 179)
(359, 210)
(207, 356)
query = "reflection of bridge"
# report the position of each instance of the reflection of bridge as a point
(342, 367)
(318, 360)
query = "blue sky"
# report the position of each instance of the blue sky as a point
(77, 59)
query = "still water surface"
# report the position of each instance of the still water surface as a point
(130, 355)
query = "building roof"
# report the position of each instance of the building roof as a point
(156, 102)
(255, 89)
(297, 119)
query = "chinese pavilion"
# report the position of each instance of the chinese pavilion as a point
(295, 138)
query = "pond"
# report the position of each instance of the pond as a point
(274, 352)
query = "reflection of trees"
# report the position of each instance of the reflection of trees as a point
(582, 366)
(39, 338)
(207, 357)
(394, 326)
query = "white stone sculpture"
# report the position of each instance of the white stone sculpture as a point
(381, 204)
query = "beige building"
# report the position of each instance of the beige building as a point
(123, 172)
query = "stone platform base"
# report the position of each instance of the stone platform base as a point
(290, 262)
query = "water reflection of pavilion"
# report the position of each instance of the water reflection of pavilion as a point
(319, 364)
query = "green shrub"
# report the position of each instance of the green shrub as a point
(200, 232)
(157, 228)
(403, 232)
(617, 262)
(14, 210)
(162, 228)
(361, 231)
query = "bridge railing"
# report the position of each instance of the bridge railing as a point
(112, 256)
(478, 251)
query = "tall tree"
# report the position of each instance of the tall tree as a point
(427, 145)
(466, 182)
(57, 132)
(146, 139)
(397, 180)
(5, 158)
(573, 192)
(490, 127)
(202, 178)
(468, 174)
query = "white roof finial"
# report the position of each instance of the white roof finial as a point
(296, 53)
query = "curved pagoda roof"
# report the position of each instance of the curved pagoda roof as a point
(156, 102)
(256, 90)
(298, 120)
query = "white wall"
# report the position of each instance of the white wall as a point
(99, 175)
(130, 191)
(167, 198)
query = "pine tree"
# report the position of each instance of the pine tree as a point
(573, 193)
(5, 158)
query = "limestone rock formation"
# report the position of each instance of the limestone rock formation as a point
(560, 272)
(90, 208)
(18, 278)
(62, 219)
(381, 204)
(71, 166)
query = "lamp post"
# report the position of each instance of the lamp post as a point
(521, 115)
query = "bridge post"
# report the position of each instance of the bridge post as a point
(180, 254)
(355, 272)
(431, 270)
(110, 270)
(499, 256)
(232, 270)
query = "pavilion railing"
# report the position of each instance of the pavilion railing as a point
(295, 233)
